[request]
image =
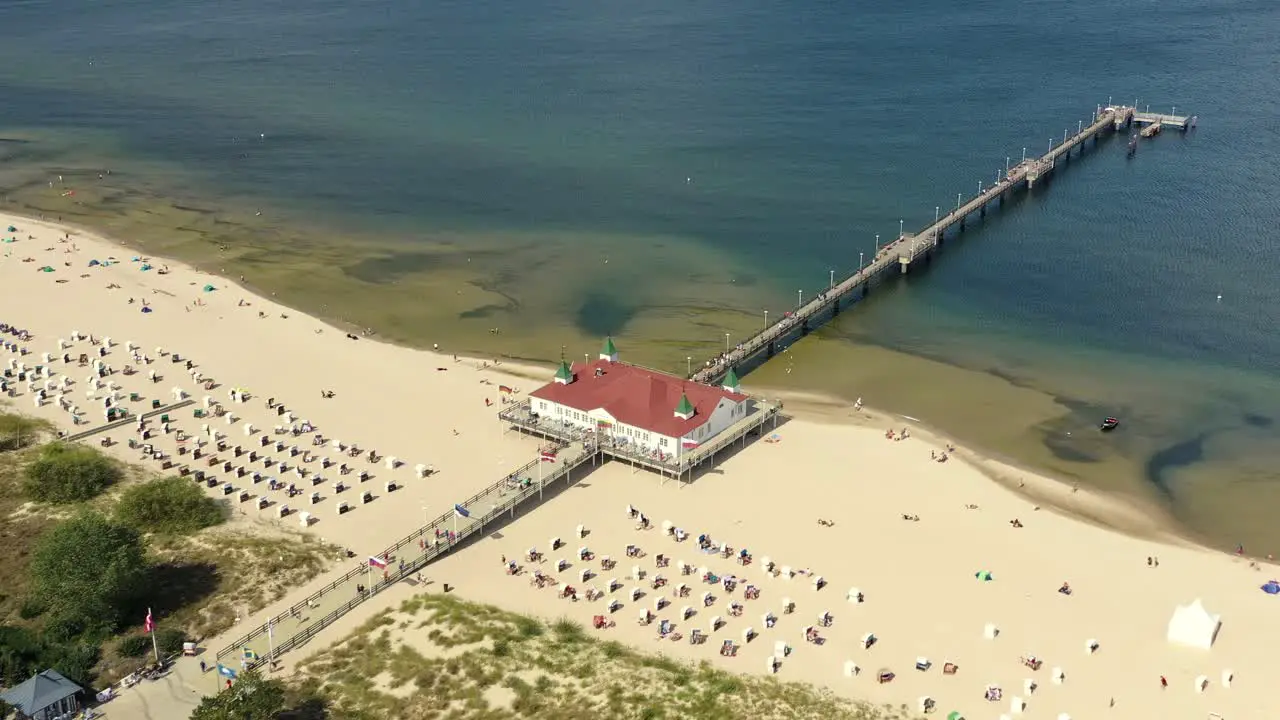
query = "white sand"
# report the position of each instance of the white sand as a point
(922, 598)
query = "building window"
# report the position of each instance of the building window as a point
(662, 442)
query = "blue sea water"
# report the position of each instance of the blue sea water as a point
(782, 136)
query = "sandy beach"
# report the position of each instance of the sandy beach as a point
(932, 547)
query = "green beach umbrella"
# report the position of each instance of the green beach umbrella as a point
(983, 575)
(13, 229)
(209, 288)
(955, 715)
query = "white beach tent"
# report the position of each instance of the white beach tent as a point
(1193, 626)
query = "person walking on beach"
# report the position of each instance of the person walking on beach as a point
(1164, 683)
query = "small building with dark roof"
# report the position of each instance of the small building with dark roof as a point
(46, 696)
(644, 409)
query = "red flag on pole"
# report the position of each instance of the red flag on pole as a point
(149, 625)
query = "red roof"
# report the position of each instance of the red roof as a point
(636, 396)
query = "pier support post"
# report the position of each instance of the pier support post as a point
(804, 327)
(769, 349)
(982, 211)
(835, 308)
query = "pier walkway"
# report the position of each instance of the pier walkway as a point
(295, 626)
(897, 256)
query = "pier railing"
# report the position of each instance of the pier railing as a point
(907, 247)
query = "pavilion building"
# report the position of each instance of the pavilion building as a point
(642, 409)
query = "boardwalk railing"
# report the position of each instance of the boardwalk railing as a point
(514, 489)
(126, 420)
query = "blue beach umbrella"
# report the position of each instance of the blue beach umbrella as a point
(1271, 588)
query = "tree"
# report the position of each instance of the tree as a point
(69, 473)
(89, 568)
(251, 697)
(169, 505)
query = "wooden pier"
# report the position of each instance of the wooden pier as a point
(900, 255)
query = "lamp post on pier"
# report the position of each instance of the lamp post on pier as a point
(979, 187)
(799, 299)
(831, 282)
(1024, 154)
(877, 244)
(958, 201)
(1006, 166)
(1079, 126)
(899, 227)
(688, 365)
(860, 262)
(726, 342)
(766, 318)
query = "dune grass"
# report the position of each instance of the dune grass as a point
(440, 657)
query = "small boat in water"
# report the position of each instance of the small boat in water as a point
(1110, 424)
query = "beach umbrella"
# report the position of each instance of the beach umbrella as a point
(955, 715)
(1271, 588)
(983, 575)
(94, 263)
(13, 229)
(209, 288)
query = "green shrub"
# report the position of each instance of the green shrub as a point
(169, 505)
(67, 473)
(23, 653)
(30, 609)
(133, 646)
(89, 570)
(170, 640)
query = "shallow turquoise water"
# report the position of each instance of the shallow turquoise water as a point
(781, 136)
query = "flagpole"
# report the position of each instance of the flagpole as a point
(155, 647)
(271, 645)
